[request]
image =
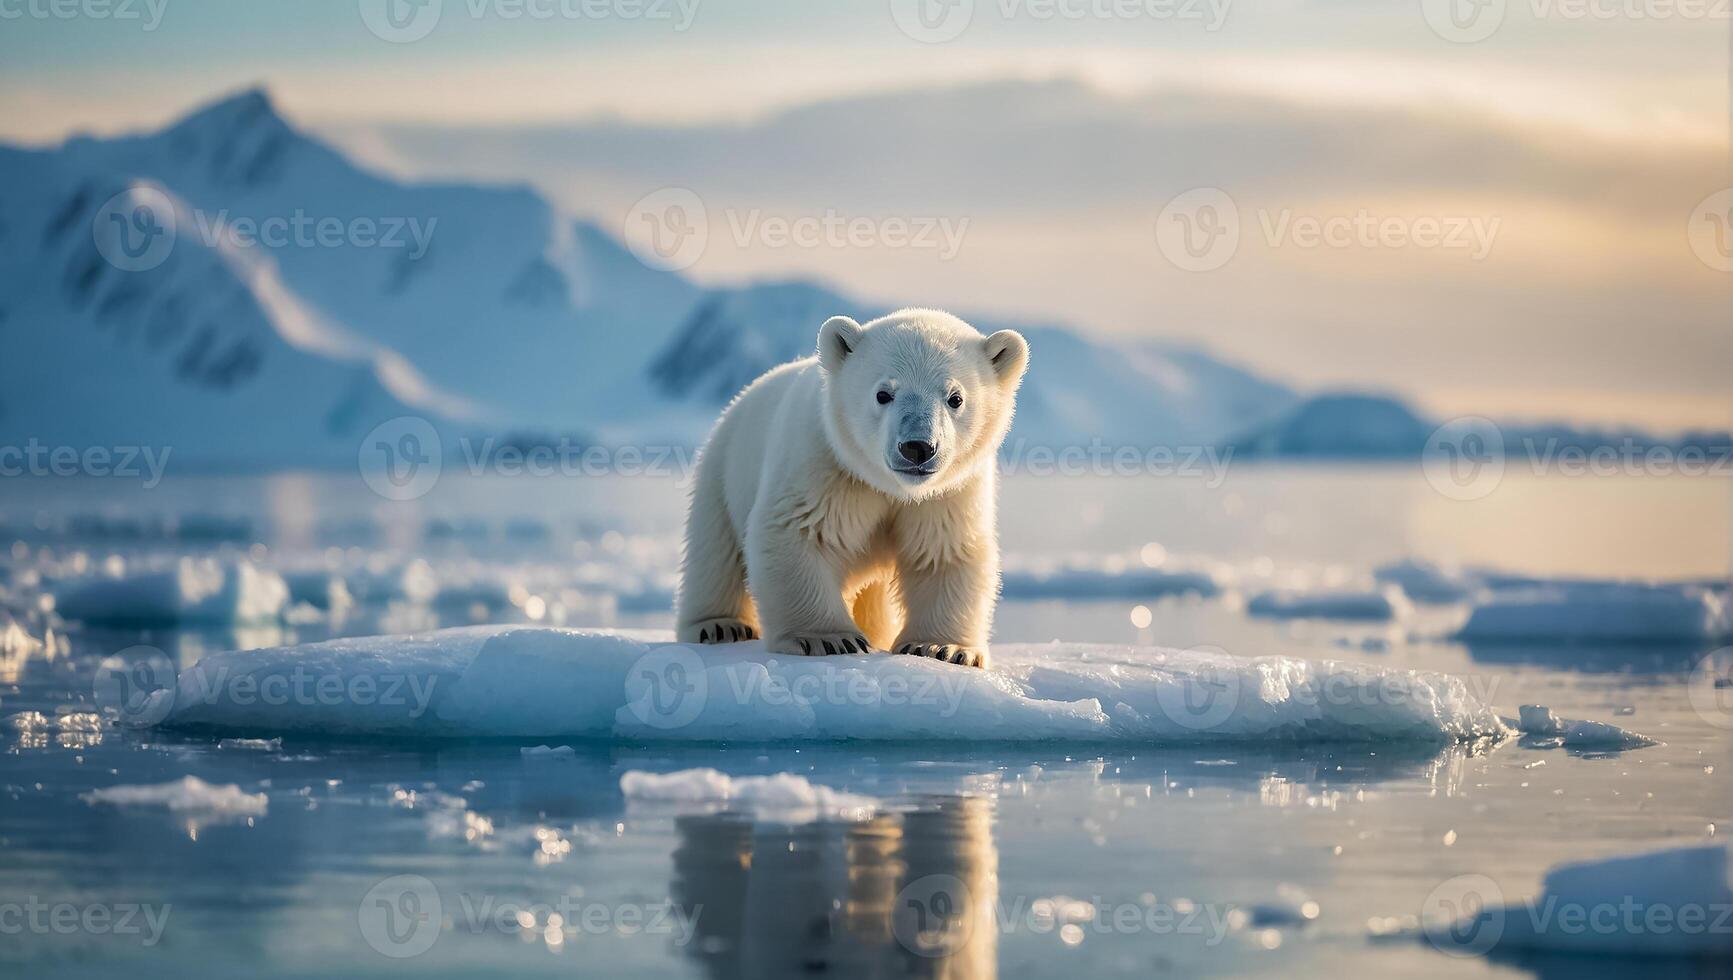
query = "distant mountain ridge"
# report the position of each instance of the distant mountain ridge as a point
(499, 315)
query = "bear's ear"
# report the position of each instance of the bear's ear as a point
(1009, 353)
(837, 339)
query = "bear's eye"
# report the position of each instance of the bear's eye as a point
(955, 401)
(885, 397)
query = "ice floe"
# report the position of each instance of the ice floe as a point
(188, 794)
(1367, 605)
(545, 683)
(782, 795)
(1538, 722)
(190, 590)
(1605, 612)
(1672, 902)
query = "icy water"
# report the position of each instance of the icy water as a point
(388, 857)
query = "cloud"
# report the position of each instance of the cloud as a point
(1573, 272)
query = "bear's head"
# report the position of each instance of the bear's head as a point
(917, 402)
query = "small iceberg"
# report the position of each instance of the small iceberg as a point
(1363, 605)
(1601, 612)
(784, 795)
(561, 684)
(192, 590)
(1673, 902)
(1538, 722)
(191, 794)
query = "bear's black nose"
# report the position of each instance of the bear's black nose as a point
(915, 452)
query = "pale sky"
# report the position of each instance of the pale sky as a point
(1580, 134)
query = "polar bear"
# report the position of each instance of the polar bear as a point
(846, 502)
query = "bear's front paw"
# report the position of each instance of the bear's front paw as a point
(951, 653)
(717, 631)
(821, 644)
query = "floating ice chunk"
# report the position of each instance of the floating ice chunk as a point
(189, 794)
(784, 794)
(546, 683)
(1108, 578)
(1661, 903)
(1290, 906)
(251, 744)
(1424, 581)
(1580, 612)
(1371, 605)
(547, 752)
(321, 590)
(1538, 721)
(190, 591)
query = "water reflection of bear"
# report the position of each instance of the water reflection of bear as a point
(909, 894)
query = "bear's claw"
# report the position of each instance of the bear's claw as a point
(828, 644)
(719, 631)
(950, 653)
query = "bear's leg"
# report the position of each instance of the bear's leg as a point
(877, 613)
(799, 595)
(713, 605)
(950, 610)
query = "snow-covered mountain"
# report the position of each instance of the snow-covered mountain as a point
(235, 289)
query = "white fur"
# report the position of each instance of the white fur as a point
(801, 530)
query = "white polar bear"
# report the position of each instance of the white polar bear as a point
(846, 502)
